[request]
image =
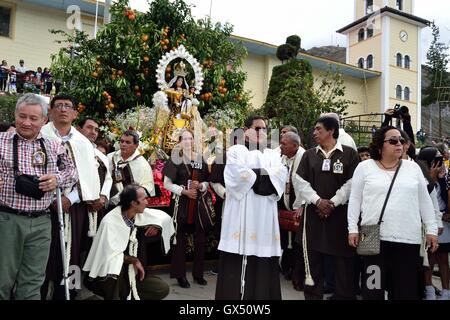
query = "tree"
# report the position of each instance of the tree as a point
(437, 61)
(293, 99)
(438, 79)
(116, 70)
(290, 49)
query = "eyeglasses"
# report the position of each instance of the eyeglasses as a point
(62, 106)
(395, 141)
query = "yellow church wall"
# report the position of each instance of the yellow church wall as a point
(364, 48)
(31, 39)
(259, 71)
(405, 48)
(407, 5)
(360, 9)
(353, 35)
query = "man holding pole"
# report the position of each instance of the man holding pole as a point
(31, 168)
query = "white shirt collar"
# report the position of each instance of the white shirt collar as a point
(65, 138)
(338, 146)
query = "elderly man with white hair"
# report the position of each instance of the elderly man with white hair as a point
(25, 227)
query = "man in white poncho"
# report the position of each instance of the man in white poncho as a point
(250, 238)
(114, 270)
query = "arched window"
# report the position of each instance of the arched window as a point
(398, 92)
(399, 5)
(407, 94)
(407, 62)
(360, 35)
(370, 32)
(369, 6)
(399, 60)
(361, 63)
(369, 61)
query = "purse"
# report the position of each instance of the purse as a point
(27, 185)
(287, 220)
(369, 235)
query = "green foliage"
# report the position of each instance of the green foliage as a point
(7, 107)
(437, 61)
(293, 100)
(117, 70)
(294, 41)
(285, 52)
(290, 49)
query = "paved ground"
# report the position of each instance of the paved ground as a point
(198, 292)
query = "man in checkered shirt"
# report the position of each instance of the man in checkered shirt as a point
(25, 229)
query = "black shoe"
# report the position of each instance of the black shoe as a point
(183, 282)
(201, 281)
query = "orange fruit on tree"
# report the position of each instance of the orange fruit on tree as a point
(95, 74)
(111, 105)
(136, 88)
(146, 58)
(132, 17)
(138, 94)
(120, 72)
(144, 37)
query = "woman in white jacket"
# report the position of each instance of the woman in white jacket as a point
(396, 268)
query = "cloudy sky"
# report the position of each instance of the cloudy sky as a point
(315, 21)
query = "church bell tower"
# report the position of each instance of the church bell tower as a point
(385, 36)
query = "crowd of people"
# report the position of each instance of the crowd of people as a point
(20, 79)
(330, 192)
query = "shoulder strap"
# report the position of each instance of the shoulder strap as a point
(15, 153)
(389, 191)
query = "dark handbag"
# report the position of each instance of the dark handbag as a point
(27, 185)
(369, 235)
(206, 212)
(287, 220)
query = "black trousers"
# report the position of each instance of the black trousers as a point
(394, 270)
(178, 258)
(343, 277)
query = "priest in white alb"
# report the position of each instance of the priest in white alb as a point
(250, 247)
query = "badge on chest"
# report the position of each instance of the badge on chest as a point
(338, 166)
(38, 159)
(326, 165)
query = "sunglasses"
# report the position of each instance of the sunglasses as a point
(257, 129)
(395, 141)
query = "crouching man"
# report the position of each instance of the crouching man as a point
(115, 271)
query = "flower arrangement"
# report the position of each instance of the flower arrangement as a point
(222, 119)
(147, 122)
